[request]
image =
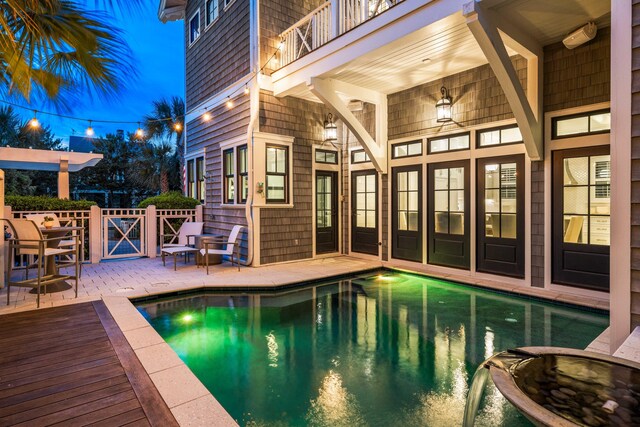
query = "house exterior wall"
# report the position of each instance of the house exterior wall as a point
(220, 55)
(635, 166)
(286, 233)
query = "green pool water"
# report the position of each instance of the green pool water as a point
(384, 349)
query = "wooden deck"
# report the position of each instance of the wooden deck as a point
(72, 366)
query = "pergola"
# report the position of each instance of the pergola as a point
(62, 162)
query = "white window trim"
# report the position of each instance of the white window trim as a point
(260, 142)
(565, 143)
(232, 144)
(206, 16)
(192, 42)
(228, 5)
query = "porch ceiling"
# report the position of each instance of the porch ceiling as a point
(440, 49)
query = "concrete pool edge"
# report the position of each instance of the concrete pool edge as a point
(187, 398)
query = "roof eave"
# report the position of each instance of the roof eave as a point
(171, 10)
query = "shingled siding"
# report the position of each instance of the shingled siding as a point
(286, 233)
(220, 55)
(275, 17)
(226, 124)
(635, 167)
(577, 77)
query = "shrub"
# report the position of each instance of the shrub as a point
(46, 203)
(170, 200)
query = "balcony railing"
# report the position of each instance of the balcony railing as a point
(332, 19)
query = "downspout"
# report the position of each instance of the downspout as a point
(254, 110)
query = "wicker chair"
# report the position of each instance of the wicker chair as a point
(26, 239)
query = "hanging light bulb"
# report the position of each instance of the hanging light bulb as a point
(229, 102)
(207, 116)
(246, 89)
(34, 123)
(90, 131)
(139, 131)
(177, 126)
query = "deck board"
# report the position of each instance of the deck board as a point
(72, 366)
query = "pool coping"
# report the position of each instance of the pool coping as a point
(191, 403)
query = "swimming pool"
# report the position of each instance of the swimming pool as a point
(377, 349)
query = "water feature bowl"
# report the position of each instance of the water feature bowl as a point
(565, 387)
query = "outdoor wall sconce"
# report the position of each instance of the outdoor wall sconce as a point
(260, 187)
(443, 107)
(330, 130)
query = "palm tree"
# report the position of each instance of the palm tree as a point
(166, 120)
(154, 165)
(59, 50)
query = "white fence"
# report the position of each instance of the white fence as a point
(330, 20)
(120, 233)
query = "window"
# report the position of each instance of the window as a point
(194, 28)
(359, 156)
(406, 149)
(500, 200)
(243, 174)
(211, 12)
(277, 174)
(449, 143)
(227, 2)
(499, 136)
(228, 173)
(200, 178)
(191, 184)
(581, 124)
(449, 196)
(326, 156)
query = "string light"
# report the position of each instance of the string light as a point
(177, 126)
(90, 131)
(246, 89)
(139, 131)
(229, 102)
(34, 123)
(206, 116)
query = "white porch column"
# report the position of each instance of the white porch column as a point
(152, 231)
(63, 179)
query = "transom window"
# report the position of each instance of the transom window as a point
(243, 174)
(499, 136)
(194, 28)
(449, 200)
(448, 143)
(408, 196)
(581, 124)
(586, 200)
(229, 176)
(327, 156)
(406, 149)
(277, 174)
(359, 156)
(500, 198)
(211, 11)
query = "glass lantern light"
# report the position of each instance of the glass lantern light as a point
(330, 130)
(443, 107)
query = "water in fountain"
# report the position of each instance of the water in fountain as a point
(474, 397)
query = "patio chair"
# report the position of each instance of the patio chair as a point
(65, 243)
(26, 239)
(186, 232)
(230, 245)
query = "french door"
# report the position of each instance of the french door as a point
(448, 219)
(581, 217)
(326, 212)
(500, 219)
(407, 213)
(364, 212)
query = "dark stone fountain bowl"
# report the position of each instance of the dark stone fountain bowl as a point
(565, 387)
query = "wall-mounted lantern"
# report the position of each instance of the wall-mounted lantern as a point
(330, 130)
(443, 107)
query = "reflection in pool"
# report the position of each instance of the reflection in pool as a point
(382, 349)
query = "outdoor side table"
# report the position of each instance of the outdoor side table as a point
(213, 259)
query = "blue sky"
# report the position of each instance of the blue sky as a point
(158, 54)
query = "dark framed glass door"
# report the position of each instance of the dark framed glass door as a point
(326, 212)
(581, 217)
(406, 214)
(448, 219)
(500, 219)
(364, 212)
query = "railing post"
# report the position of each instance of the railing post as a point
(199, 213)
(95, 233)
(152, 231)
(335, 19)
